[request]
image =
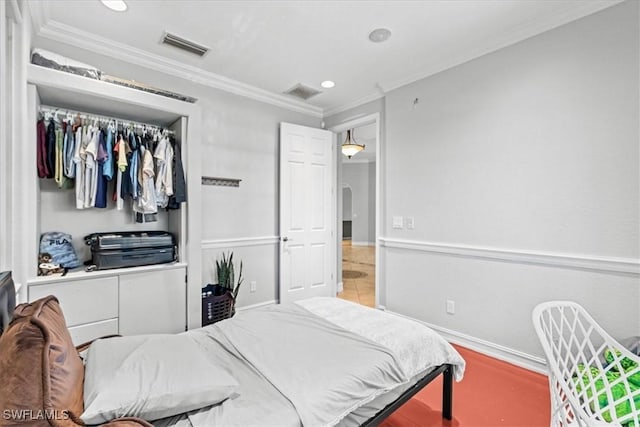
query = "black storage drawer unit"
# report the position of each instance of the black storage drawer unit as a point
(131, 249)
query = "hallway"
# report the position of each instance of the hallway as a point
(358, 274)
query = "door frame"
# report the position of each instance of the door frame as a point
(337, 129)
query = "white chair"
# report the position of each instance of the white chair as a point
(572, 340)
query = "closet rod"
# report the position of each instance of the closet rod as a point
(126, 122)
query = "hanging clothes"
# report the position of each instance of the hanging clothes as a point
(59, 176)
(179, 184)
(91, 168)
(51, 147)
(120, 152)
(164, 171)
(41, 149)
(108, 166)
(146, 207)
(79, 160)
(146, 167)
(127, 184)
(101, 179)
(134, 166)
(68, 151)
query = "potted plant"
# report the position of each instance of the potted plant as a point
(219, 300)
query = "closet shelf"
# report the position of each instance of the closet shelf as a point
(83, 275)
(67, 90)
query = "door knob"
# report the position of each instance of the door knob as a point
(285, 239)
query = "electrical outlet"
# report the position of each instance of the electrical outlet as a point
(410, 223)
(451, 306)
(252, 286)
(398, 222)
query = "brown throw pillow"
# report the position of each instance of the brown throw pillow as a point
(41, 374)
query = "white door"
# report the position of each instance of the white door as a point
(307, 213)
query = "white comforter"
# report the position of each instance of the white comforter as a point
(416, 346)
(270, 396)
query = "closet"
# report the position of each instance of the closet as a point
(162, 298)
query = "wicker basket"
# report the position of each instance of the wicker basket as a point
(217, 304)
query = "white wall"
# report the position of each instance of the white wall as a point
(532, 149)
(358, 177)
(347, 204)
(240, 140)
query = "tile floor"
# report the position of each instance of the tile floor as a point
(358, 274)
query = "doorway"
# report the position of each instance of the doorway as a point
(357, 177)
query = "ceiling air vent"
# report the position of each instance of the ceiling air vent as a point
(303, 92)
(184, 44)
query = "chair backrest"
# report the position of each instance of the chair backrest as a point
(7, 299)
(573, 344)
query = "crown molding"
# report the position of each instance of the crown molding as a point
(62, 33)
(39, 12)
(59, 32)
(353, 104)
(509, 37)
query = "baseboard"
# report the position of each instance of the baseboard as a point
(359, 243)
(340, 287)
(258, 305)
(497, 351)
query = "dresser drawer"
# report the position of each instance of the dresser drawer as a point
(82, 301)
(84, 333)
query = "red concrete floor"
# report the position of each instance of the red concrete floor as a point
(492, 393)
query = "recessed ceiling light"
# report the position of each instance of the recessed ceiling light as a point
(327, 84)
(380, 35)
(117, 5)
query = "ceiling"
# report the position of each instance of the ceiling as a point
(272, 45)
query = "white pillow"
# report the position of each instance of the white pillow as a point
(151, 377)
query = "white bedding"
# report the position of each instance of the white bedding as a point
(260, 401)
(416, 346)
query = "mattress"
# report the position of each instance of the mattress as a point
(262, 402)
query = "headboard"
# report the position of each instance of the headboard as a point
(7, 299)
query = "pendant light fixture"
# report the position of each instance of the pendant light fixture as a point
(350, 147)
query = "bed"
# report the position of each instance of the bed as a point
(317, 362)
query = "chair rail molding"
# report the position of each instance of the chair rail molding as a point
(239, 242)
(610, 265)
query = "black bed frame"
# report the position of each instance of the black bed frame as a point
(447, 395)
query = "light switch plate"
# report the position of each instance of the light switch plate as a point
(398, 222)
(410, 223)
